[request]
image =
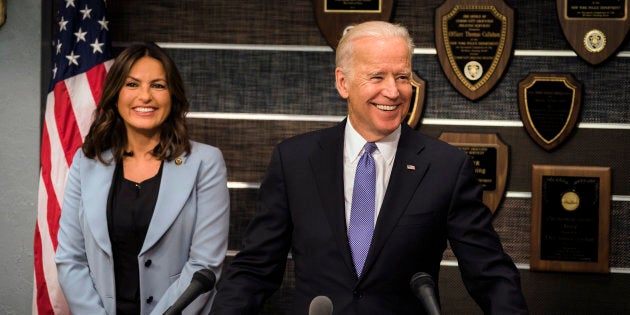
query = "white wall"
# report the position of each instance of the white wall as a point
(20, 98)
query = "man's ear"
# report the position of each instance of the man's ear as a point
(341, 82)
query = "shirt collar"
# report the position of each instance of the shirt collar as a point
(354, 143)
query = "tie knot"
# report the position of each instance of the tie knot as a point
(370, 147)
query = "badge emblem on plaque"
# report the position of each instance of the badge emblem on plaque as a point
(594, 28)
(474, 43)
(549, 105)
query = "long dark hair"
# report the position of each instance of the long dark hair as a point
(108, 128)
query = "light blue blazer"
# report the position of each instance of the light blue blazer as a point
(188, 232)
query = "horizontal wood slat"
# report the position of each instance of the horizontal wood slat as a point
(285, 22)
(247, 146)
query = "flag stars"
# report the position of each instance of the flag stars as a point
(70, 3)
(73, 59)
(97, 47)
(80, 35)
(62, 24)
(103, 22)
(54, 71)
(58, 47)
(86, 12)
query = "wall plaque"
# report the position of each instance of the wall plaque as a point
(473, 40)
(594, 28)
(333, 16)
(570, 218)
(417, 101)
(490, 156)
(549, 105)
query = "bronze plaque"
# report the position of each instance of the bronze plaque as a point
(549, 105)
(333, 16)
(417, 101)
(594, 28)
(473, 40)
(570, 218)
(490, 156)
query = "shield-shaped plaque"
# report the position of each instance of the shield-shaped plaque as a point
(333, 16)
(490, 156)
(594, 29)
(417, 101)
(549, 105)
(473, 40)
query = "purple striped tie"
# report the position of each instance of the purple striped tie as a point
(361, 225)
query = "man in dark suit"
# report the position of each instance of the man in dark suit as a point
(421, 193)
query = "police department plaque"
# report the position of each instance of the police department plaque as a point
(570, 218)
(594, 28)
(473, 40)
(490, 157)
(333, 16)
(549, 105)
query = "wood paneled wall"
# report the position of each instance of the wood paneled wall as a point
(253, 69)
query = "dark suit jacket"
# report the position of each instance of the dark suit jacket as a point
(301, 210)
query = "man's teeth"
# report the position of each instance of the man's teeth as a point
(385, 107)
(144, 109)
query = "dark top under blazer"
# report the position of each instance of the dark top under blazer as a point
(301, 210)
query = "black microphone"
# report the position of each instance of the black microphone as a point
(202, 281)
(320, 305)
(422, 286)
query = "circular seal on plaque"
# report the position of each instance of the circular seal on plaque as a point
(570, 201)
(594, 41)
(473, 70)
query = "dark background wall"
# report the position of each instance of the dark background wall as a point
(259, 71)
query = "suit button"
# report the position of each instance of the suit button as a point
(357, 295)
(147, 263)
(150, 299)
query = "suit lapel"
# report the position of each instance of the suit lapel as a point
(97, 181)
(327, 166)
(407, 173)
(176, 185)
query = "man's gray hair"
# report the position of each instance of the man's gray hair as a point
(378, 29)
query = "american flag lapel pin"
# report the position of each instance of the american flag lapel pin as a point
(411, 167)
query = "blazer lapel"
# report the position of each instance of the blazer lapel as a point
(327, 166)
(176, 185)
(97, 181)
(407, 173)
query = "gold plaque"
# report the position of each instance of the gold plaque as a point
(417, 101)
(473, 40)
(595, 29)
(490, 156)
(333, 16)
(570, 218)
(549, 105)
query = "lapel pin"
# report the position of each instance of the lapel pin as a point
(178, 161)
(411, 167)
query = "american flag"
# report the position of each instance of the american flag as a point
(81, 58)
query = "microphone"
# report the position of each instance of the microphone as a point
(320, 305)
(202, 281)
(422, 286)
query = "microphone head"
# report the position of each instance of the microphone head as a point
(206, 278)
(421, 279)
(320, 305)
